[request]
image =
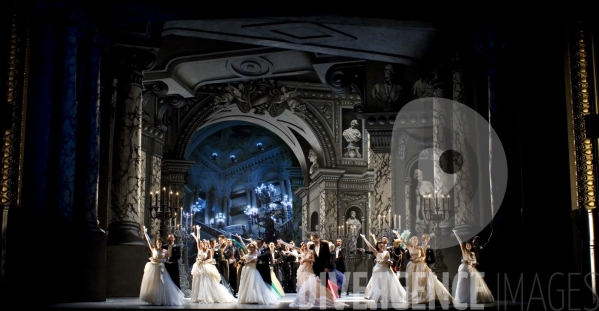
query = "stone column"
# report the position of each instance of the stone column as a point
(304, 195)
(127, 249)
(379, 199)
(325, 186)
(466, 206)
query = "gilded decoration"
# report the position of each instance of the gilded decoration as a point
(585, 177)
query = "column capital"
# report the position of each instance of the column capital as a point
(174, 171)
(130, 62)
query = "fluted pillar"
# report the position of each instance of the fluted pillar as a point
(127, 250)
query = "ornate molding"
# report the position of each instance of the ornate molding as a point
(380, 140)
(583, 146)
(16, 85)
(204, 108)
(261, 96)
(344, 79)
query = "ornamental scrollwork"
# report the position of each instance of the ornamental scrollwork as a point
(262, 96)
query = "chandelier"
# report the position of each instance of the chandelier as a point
(265, 193)
(218, 220)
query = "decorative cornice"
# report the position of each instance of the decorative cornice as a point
(302, 192)
(173, 171)
(328, 177)
(149, 129)
(380, 140)
(353, 197)
(349, 162)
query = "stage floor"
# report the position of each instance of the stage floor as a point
(355, 302)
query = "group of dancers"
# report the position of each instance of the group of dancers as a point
(318, 283)
(422, 285)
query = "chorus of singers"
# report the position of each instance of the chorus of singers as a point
(234, 270)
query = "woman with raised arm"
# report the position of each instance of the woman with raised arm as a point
(157, 287)
(383, 286)
(252, 288)
(470, 282)
(309, 286)
(205, 284)
(421, 282)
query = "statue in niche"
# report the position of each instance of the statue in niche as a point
(354, 228)
(314, 159)
(352, 135)
(388, 92)
(423, 188)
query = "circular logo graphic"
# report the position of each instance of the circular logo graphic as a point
(454, 166)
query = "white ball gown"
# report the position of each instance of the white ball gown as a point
(471, 284)
(422, 283)
(205, 284)
(157, 287)
(384, 285)
(252, 288)
(311, 293)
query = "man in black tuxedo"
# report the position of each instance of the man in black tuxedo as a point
(172, 260)
(233, 268)
(322, 262)
(263, 264)
(222, 254)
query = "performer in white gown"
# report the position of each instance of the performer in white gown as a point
(157, 287)
(252, 288)
(422, 283)
(383, 285)
(471, 287)
(205, 284)
(311, 293)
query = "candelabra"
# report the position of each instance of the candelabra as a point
(388, 224)
(165, 208)
(437, 213)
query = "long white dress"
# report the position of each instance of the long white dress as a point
(205, 285)
(157, 287)
(384, 285)
(422, 283)
(311, 293)
(304, 271)
(471, 283)
(252, 288)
